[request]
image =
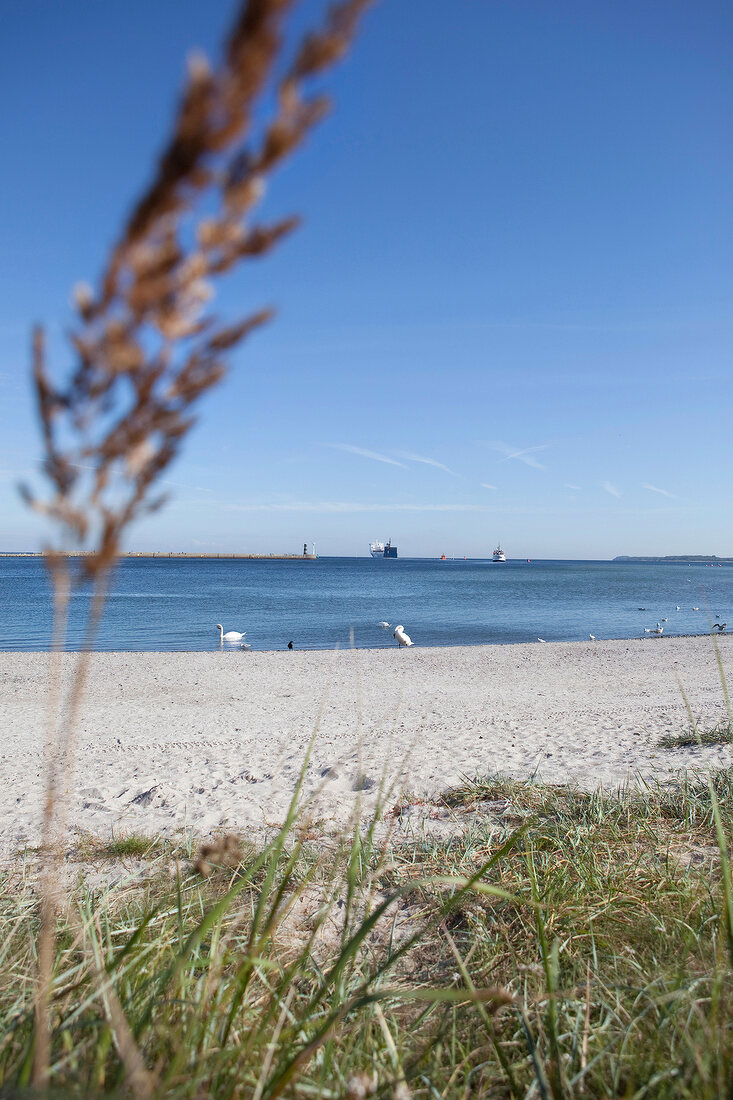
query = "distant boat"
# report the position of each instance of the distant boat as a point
(499, 554)
(382, 549)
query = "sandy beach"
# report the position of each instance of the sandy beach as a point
(210, 741)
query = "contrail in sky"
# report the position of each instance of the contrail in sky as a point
(525, 454)
(365, 454)
(655, 489)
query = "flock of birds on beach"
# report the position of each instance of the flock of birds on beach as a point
(658, 630)
(404, 640)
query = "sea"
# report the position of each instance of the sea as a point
(162, 604)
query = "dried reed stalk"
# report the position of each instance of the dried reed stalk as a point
(147, 346)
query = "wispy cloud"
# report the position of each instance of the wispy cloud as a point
(182, 485)
(610, 488)
(365, 454)
(656, 489)
(409, 457)
(349, 506)
(569, 486)
(525, 454)
(485, 485)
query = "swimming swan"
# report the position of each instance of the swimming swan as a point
(402, 638)
(230, 636)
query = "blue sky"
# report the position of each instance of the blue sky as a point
(507, 315)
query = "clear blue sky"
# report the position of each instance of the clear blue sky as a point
(508, 314)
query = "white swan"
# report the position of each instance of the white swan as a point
(230, 636)
(402, 638)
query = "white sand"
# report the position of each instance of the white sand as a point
(216, 740)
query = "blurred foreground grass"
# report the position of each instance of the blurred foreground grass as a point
(558, 944)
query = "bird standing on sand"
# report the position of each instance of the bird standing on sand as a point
(402, 638)
(230, 636)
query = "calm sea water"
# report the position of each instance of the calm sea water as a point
(175, 604)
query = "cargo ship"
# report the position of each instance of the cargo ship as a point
(382, 549)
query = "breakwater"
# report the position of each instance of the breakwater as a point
(173, 554)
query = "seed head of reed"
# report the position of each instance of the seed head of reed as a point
(146, 346)
(146, 342)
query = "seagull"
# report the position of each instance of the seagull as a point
(720, 627)
(402, 638)
(592, 637)
(384, 625)
(678, 608)
(696, 609)
(245, 645)
(665, 620)
(230, 636)
(641, 609)
(540, 639)
(658, 629)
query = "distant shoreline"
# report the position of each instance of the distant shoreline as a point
(693, 559)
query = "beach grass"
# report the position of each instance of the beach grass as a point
(720, 734)
(128, 845)
(561, 943)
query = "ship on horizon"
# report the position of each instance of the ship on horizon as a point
(382, 549)
(499, 554)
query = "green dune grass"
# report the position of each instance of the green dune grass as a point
(585, 952)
